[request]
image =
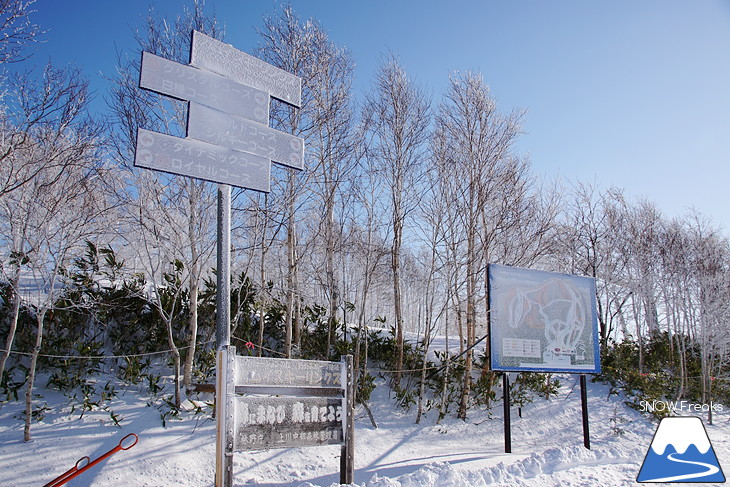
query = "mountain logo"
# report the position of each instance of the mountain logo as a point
(681, 452)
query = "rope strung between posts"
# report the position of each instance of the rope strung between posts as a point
(101, 357)
(250, 345)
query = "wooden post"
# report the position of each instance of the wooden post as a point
(584, 410)
(507, 419)
(347, 455)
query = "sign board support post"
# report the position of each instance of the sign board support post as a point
(347, 454)
(584, 410)
(223, 294)
(225, 414)
(507, 418)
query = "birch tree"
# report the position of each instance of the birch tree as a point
(708, 255)
(45, 135)
(325, 123)
(190, 203)
(47, 221)
(474, 153)
(397, 116)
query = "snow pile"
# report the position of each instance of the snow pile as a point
(568, 464)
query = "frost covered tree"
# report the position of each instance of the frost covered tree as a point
(48, 221)
(592, 241)
(709, 257)
(474, 155)
(325, 122)
(396, 117)
(180, 227)
(45, 136)
(17, 30)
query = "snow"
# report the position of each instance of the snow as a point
(681, 433)
(547, 445)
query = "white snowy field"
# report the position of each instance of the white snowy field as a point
(547, 446)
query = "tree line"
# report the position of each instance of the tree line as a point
(405, 200)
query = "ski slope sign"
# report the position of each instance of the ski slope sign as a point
(681, 452)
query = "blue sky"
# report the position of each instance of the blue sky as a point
(634, 93)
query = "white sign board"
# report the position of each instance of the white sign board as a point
(542, 321)
(224, 59)
(240, 134)
(191, 84)
(286, 403)
(197, 159)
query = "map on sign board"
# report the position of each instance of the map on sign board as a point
(542, 321)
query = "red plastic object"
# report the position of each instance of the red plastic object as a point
(75, 470)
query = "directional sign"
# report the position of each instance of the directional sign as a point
(287, 372)
(224, 59)
(237, 133)
(189, 157)
(191, 84)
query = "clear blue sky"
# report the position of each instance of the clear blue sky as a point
(634, 93)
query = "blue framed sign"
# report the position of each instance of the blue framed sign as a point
(542, 321)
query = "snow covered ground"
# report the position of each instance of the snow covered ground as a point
(547, 446)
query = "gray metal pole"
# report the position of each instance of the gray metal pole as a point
(224, 378)
(225, 420)
(223, 296)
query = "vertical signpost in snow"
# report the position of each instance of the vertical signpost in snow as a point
(286, 403)
(228, 141)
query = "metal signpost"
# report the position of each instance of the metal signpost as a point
(542, 322)
(228, 141)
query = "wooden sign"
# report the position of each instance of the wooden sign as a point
(287, 403)
(224, 59)
(213, 90)
(197, 159)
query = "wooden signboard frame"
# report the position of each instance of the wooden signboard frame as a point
(264, 403)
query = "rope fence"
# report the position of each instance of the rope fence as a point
(252, 346)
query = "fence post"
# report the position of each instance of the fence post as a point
(347, 456)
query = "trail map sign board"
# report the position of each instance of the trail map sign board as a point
(542, 321)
